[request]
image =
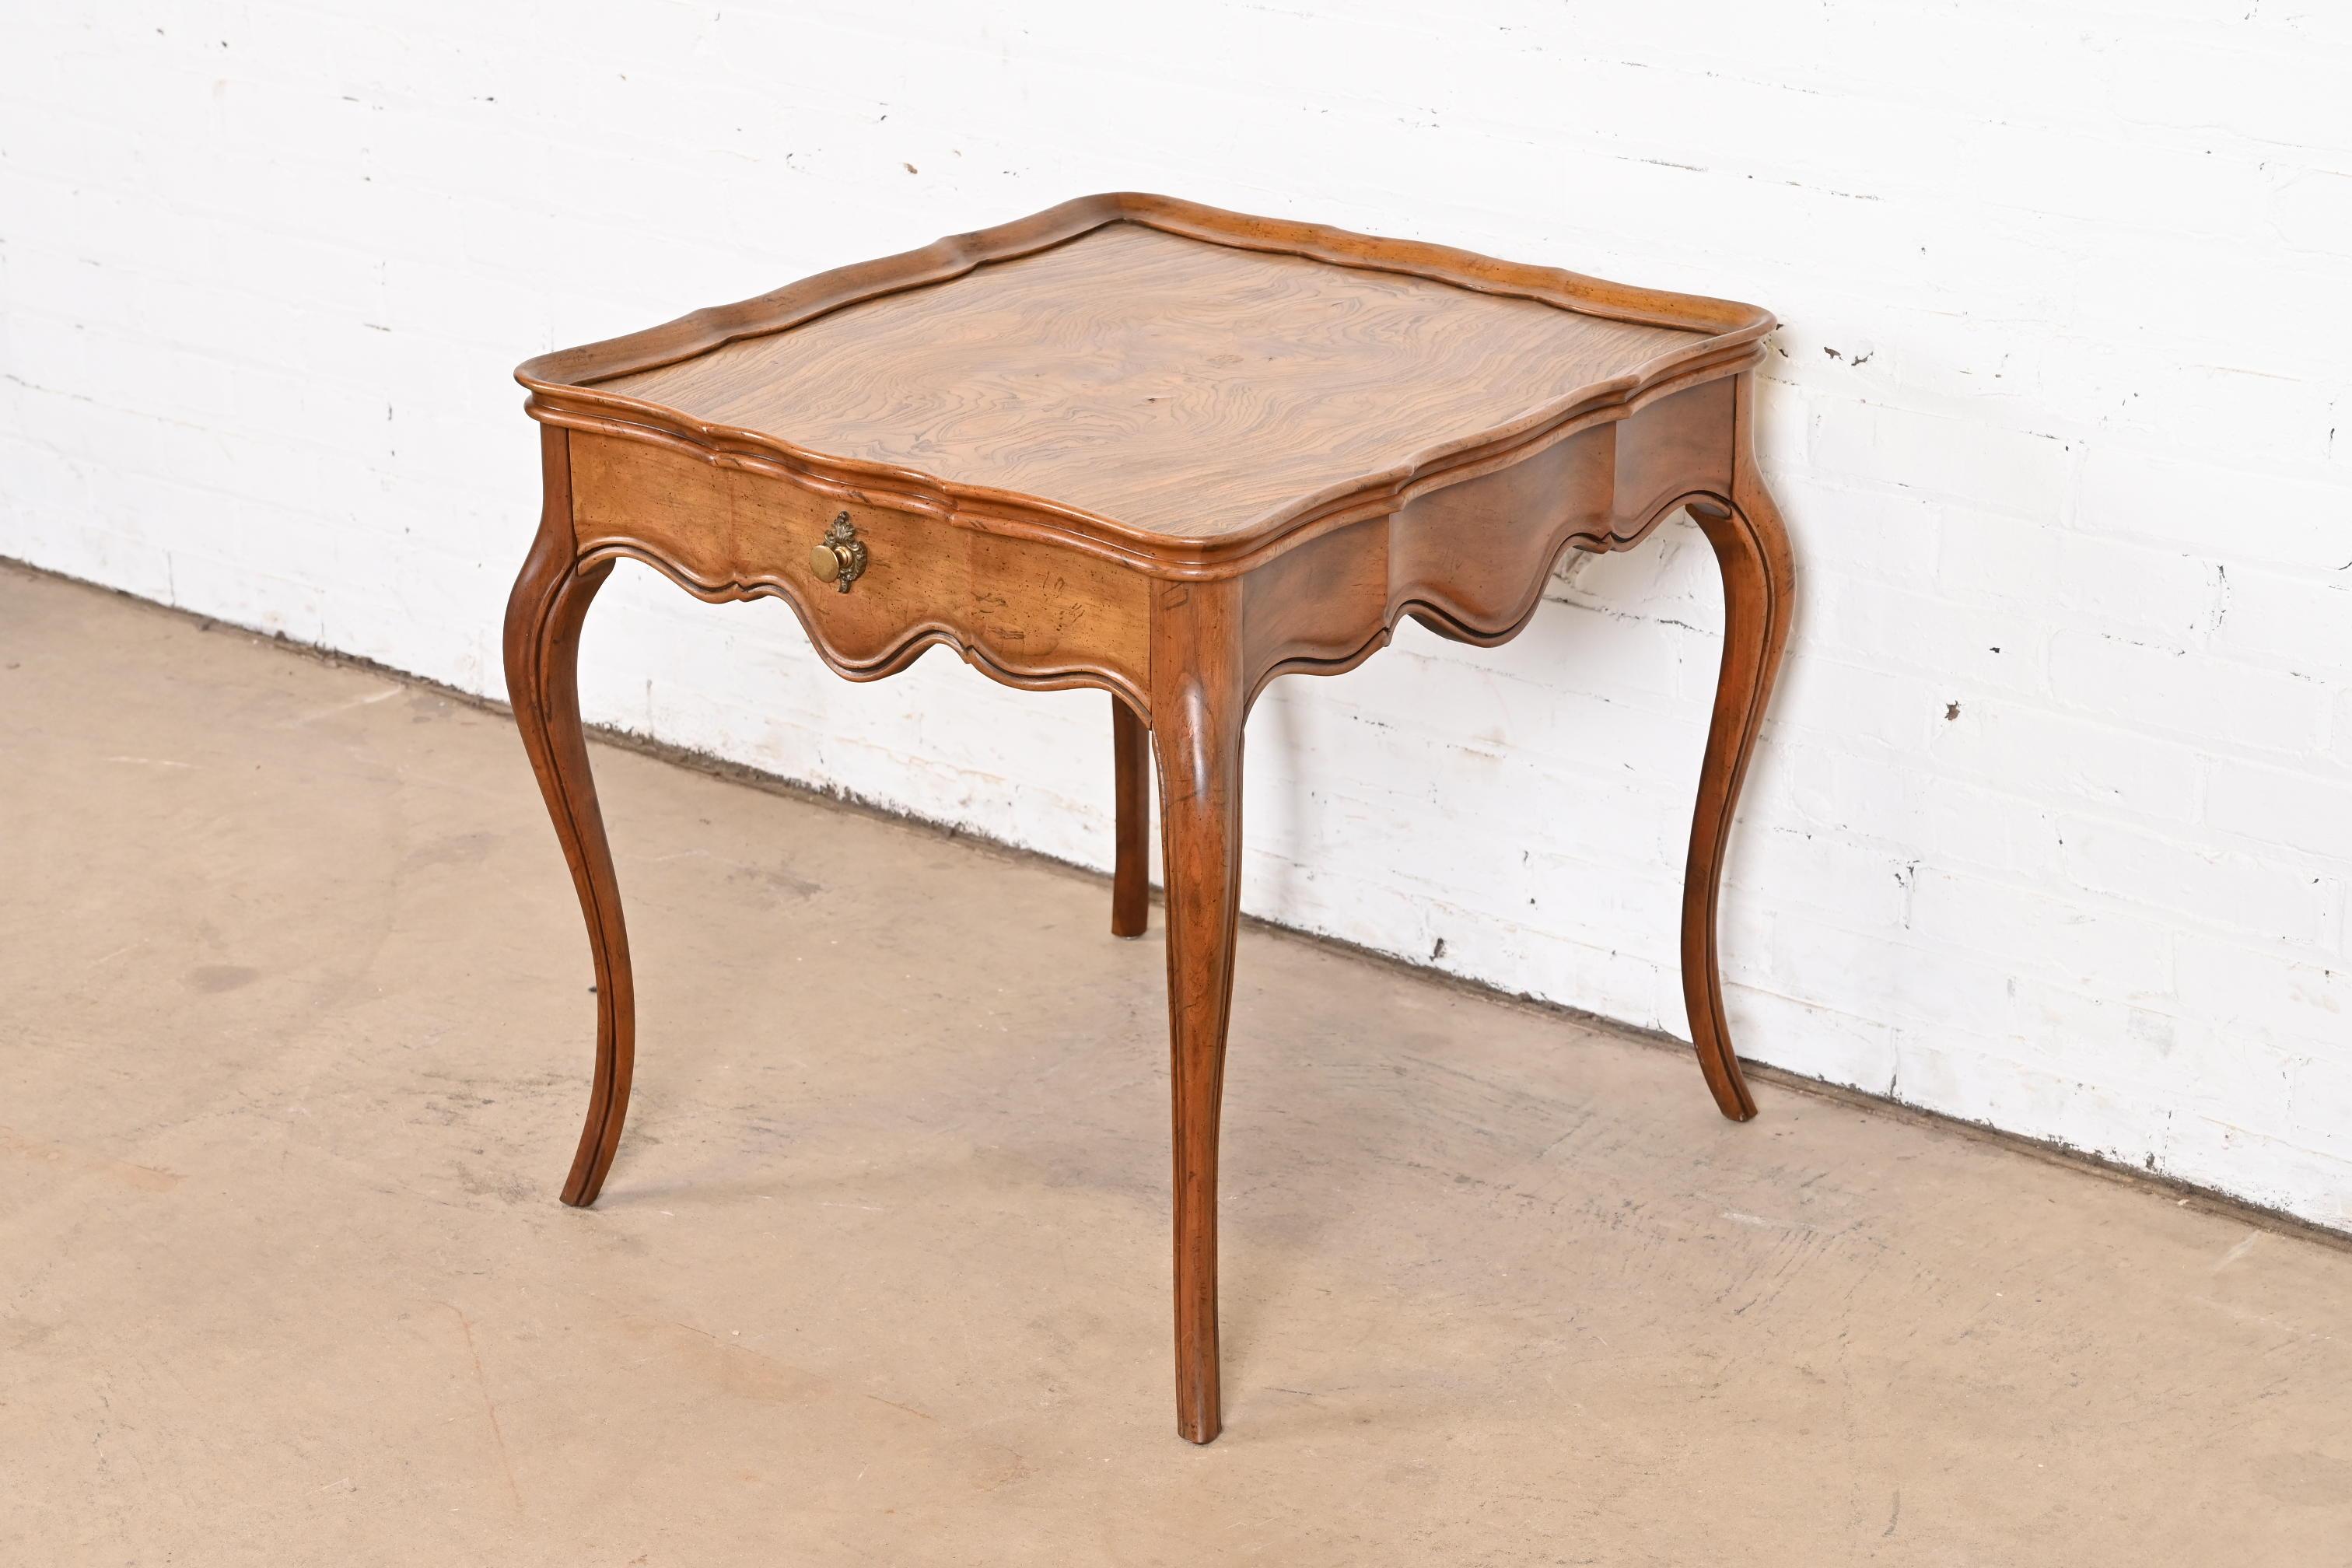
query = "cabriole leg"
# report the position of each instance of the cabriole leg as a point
(542, 653)
(1197, 710)
(1752, 548)
(1131, 868)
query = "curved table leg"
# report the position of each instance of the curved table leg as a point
(542, 653)
(1130, 744)
(1752, 548)
(1197, 717)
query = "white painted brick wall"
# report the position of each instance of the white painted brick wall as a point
(2053, 826)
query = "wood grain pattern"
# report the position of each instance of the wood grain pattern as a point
(1030, 613)
(1470, 560)
(1174, 453)
(1178, 386)
(1034, 384)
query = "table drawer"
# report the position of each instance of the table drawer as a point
(1028, 612)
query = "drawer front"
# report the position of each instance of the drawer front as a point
(1028, 611)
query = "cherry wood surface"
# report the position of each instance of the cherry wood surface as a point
(1171, 452)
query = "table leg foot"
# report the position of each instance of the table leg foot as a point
(1197, 731)
(1130, 901)
(542, 647)
(1752, 548)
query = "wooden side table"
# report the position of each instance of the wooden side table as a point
(1171, 452)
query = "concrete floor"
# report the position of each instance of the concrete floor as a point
(297, 1024)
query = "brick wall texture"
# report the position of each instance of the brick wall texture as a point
(2053, 823)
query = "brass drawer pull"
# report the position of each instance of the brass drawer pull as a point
(841, 559)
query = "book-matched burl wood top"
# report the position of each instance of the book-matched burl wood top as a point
(1165, 369)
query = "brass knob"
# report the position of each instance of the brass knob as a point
(841, 559)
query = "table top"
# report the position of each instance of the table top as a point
(1163, 368)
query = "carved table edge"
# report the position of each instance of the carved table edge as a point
(1446, 624)
(562, 393)
(911, 643)
(1155, 555)
(700, 331)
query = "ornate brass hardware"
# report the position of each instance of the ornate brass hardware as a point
(841, 559)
